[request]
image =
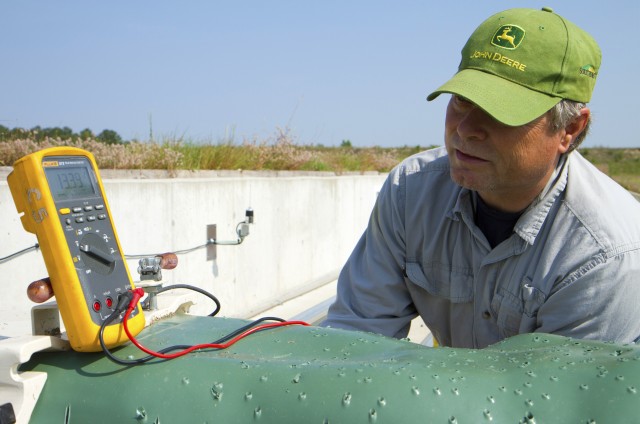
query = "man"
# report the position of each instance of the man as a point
(505, 230)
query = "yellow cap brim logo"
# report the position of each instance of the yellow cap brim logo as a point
(589, 70)
(508, 37)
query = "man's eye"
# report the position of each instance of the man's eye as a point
(460, 99)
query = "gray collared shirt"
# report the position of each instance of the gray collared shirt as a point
(571, 266)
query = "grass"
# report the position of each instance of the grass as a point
(623, 165)
(279, 152)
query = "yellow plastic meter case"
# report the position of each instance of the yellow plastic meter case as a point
(60, 195)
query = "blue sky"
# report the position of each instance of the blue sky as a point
(326, 70)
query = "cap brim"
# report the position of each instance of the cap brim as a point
(508, 102)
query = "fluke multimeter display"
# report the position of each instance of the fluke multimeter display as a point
(60, 195)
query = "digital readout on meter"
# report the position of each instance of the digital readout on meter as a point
(69, 182)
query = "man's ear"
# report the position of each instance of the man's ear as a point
(574, 129)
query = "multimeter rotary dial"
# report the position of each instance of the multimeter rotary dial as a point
(97, 253)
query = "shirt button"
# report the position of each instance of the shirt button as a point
(486, 315)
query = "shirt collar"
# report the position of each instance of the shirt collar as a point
(531, 221)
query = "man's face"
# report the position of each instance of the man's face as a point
(507, 166)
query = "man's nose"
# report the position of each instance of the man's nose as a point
(472, 123)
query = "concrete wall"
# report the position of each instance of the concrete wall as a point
(305, 227)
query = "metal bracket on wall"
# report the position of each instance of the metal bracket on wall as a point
(211, 248)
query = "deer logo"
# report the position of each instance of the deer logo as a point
(508, 37)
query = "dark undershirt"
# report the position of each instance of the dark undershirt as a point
(496, 225)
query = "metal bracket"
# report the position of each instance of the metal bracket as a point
(211, 248)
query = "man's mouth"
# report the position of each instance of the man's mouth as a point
(465, 157)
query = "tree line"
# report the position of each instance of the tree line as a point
(38, 133)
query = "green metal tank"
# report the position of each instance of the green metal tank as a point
(299, 374)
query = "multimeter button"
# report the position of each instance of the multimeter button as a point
(97, 305)
(102, 216)
(68, 221)
(91, 218)
(77, 209)
(99, 207)
(79, 219)
(64, 211)
(88, 208)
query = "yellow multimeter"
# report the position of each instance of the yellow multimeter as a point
(60, 195)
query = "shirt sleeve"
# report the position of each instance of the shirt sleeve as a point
(372, 295)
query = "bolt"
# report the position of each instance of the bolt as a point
(346, 399)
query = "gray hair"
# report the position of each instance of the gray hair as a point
(563, 114)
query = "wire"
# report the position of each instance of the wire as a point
(122, 303)
(179, 252)
(19, 252)
(193, 249)
(129, 301)
(190, 349)
(209, 242)
(140, 361)
(197, 289)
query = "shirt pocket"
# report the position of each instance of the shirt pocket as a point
(516, 308)
(442, 280)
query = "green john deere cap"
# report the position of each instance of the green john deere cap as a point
(520, 63)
